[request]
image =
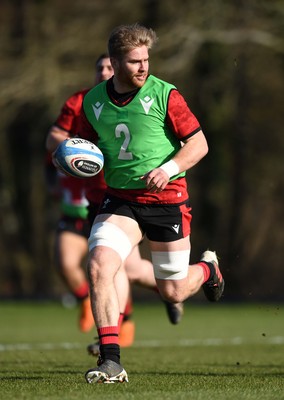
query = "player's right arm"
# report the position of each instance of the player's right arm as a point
(55, 136)
(86, 130)
(66, 123)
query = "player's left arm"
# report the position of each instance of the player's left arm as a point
(187, 129)
(193, 150)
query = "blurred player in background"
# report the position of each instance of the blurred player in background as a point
(71, 238)
(80, 199)
(71, 243)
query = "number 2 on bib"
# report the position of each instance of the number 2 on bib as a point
(120, 130)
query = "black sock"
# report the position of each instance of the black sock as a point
(110, 352)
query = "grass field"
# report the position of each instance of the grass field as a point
(217, 352)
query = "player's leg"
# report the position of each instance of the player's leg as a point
(126, 332)
(170, 250)
(140, 272)
(111, 241)
(127, 328)
(103, 266)
(178, 281)
(70, 252)
(123, 291)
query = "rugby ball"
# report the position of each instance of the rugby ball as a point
(79, 157)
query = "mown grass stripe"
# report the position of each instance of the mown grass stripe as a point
(277, 340)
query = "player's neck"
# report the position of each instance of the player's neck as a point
(122, 87)
(121, 98)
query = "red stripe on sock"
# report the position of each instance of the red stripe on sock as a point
(206, 270)
(108, 335)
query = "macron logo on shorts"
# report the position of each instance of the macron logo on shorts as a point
(176, 227)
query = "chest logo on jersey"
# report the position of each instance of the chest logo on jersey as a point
(147, 103)
(97, 108)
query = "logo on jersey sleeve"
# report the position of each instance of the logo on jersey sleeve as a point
(147, 103)
(97, 108)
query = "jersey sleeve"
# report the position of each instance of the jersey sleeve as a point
(70, 112)
(85, 129)
(180, 118)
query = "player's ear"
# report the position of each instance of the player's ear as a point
(114, 62)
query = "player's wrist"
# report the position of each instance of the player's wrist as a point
(170, 168)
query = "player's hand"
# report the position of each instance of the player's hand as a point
(156, 180)
(58, 166)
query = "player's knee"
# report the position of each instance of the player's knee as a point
(93, 269)
(172, 294)
(103, 265)
(109, 235)
(173, 297)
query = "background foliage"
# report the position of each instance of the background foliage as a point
(226, 57)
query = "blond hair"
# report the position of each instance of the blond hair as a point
(125, 38)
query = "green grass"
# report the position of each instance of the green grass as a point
(217, 352)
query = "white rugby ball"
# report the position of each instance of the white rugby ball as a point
(79, 157)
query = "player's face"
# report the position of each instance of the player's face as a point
(132, 70)
(104, 70)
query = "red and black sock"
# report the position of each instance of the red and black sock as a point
(208, 270)
(109, 347)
